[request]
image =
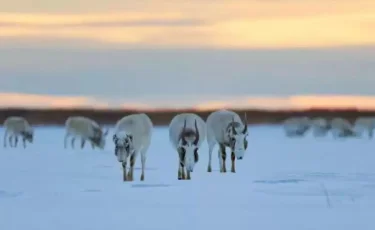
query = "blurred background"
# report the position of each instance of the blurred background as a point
(106, 59)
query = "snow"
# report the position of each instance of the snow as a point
(282, 183)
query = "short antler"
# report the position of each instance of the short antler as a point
(197, 133)
(245, 124)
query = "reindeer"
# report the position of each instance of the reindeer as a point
(86, 129)
(17, 126)
(320, 126)
(342, 128)
(132, 136)
(365, 124)
(226, 128)
(296, 126)
(187, 132)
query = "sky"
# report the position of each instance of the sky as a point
(153, 53)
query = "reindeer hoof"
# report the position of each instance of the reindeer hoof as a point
(209, 169)
(142, 177)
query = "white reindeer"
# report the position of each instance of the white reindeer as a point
(17, 126)
(296, 126)
(320, 126)
(86, 129)
(226, 128)
(365, 124)
(187, 132)
(342, 128)
(132, 136)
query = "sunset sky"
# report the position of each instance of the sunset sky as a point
(185, 53)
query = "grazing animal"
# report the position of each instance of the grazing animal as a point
(187, 132)
(320, 126)
(296, 126)
(342, 128)
(17, 126)
(367, 124)
(132, 136)
(86, 129)
(226, 128)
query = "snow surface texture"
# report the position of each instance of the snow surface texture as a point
(282, 183)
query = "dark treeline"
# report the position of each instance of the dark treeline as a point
(163, 117)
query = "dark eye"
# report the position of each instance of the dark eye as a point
(245, 143)
(232, 140)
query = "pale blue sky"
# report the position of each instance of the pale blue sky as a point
(137, 73)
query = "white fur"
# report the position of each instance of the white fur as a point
(175, 128)
(85, 128)
(342, 128)
(296, 126)
(133, 131)
(17, 126)
(218, 133)
(365, 124)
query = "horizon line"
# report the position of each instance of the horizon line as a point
(12, 100)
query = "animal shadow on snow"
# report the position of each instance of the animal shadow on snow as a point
(5, 194)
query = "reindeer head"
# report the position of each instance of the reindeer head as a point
(238, 138)
(28, 135)
(99, 137)
(123, 145)
(188, 146)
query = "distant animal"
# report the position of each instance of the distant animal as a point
(17, 126)
(187, 132)
(320, 126)
(132, 137)
(296, 126)
(365, 124)
(225, 127)
(342, 128)
(86, 129)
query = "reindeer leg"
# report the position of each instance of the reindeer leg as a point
(124, 171)
(72, 142)
(223, 157)
(181, 172)
(180, 168)
(143, 162)
(132, 162)
(183, 177)
(82, 143)
(24, 142)
(5, 139)
(188, 175)
(210, 149)
(233, 157)
(16, 141)
(11, 141)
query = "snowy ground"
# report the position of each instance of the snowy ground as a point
(281, 184)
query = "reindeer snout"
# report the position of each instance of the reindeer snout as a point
(239, 158)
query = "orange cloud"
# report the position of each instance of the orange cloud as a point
(238, 24)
